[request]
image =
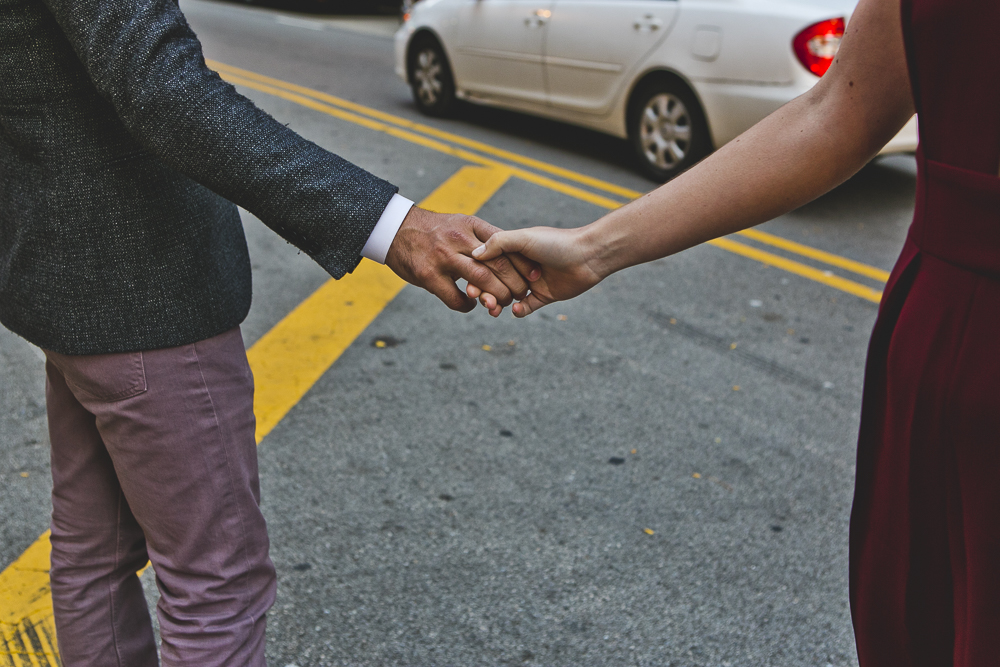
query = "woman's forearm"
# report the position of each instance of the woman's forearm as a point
(799, 152)
(778, 165)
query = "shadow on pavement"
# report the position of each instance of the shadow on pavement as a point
(563, 136)
(331, 7)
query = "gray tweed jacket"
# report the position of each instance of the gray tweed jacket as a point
(120, 156)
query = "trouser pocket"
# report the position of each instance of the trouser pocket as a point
(102, 377)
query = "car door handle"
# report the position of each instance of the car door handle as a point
(648, 23)
(538, 18)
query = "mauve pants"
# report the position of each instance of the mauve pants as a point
(153, 454)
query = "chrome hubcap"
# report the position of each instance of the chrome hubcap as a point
(427, 75)
(665, 131)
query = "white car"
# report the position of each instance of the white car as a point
(677, 78)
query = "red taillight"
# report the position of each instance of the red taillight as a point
(817, 45)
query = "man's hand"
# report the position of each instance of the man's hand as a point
(433, 250)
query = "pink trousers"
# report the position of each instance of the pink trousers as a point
(153, 456)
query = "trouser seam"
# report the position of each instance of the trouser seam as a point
(239, 513)
(111, 578)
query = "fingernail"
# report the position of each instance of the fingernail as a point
(535, 275)
(479, 251)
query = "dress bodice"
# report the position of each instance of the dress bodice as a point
(954, 60)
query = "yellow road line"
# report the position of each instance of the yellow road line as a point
(408, 130)
(27, 634)
(467, 191)
(292, 356)
(428, 130)
(825, 277)
(817, 254)
(286, 362)
(427, 142)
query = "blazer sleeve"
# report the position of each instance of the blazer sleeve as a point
(142, 57)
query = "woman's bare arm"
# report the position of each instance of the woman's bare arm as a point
(804, 149)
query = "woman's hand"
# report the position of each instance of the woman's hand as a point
(568, 266)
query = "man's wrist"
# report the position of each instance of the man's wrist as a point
(386, 228)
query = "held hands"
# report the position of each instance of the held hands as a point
(431, 250)
(568, 266)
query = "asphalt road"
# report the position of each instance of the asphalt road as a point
(434, 503)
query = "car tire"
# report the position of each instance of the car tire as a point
(667, 129)
(430, 77)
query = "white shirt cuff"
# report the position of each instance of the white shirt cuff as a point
(385, 230)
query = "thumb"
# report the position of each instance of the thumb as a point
(498, 244)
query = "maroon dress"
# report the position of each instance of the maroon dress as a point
(925, 529)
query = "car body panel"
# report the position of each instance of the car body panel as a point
(497, 47)
(592, 48)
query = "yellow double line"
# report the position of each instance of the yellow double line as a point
(555, 178)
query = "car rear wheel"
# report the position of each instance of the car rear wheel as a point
(667, 129)
(430, 78)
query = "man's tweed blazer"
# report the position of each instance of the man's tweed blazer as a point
(120, 156)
